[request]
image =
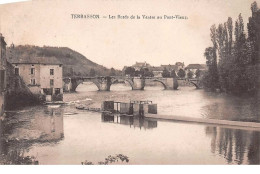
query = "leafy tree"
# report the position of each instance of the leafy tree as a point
(181, 73)
(173, 74)
(146, 72)
(190, 74)
(210, 80)
(112, 72)
(236, 70)
(130, 71)
(165, 73)
(198, 73)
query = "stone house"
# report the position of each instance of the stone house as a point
(2, 74)
(138, 65)
(195, 67)
(157, 71)
(42, 75)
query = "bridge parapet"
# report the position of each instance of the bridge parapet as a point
(137, 83)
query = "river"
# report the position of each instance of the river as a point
(65, 135)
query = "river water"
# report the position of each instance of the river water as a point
(65, 135)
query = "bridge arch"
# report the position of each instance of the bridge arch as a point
(130, 82)
(195, 83)
(164, 85)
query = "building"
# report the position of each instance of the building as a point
(194, 67)
(138, 65)
(180, 65)
(170, 67)
(2, 74)
(157, 71)
(42, 75)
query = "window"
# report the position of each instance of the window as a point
(51, 82)
(16, 71)
(33, 82)
(32, 70)
(51, 71)
(57, 91)
(47, 91)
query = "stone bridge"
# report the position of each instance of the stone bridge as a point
(104, 82)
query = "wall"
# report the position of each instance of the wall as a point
(138, 84)
(25, 74)
(57, 77)
(17, 92)
(2, 74)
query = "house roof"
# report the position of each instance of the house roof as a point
(179, 63)
(196, 66)
(170, 67)
(141, 64)
(34, 60)
(156, 68)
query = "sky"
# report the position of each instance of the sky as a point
(121, 42)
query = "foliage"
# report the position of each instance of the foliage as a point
(173, 74)
(198, 73)
(190, 74)
(130, 71)
(18, 158)
(181, 73)
(109, 160)
(112, 72)
(166, 73)
(145, 72)
(238, 59)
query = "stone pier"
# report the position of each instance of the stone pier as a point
(137, 83)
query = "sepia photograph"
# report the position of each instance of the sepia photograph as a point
(130, 82)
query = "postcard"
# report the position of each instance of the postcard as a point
(131, 82)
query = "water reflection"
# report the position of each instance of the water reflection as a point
(236, 146)
(20, 130)
(132, 121)
(232, 108)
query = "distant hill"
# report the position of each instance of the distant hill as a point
(74, 63)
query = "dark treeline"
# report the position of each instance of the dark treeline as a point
(233, 60)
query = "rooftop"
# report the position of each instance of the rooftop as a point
(170, 67)
(141, 64)
(156, 68)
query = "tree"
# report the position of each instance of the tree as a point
(253, 32)
(213, 66)
(210, 79)
(173, 74)
(165, 73)
(112, 72)
(190, 74)
(198, 73)
(181, 73)
(130, 71)
(146, 72)
(92, 72)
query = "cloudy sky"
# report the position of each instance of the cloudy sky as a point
(120, 42)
